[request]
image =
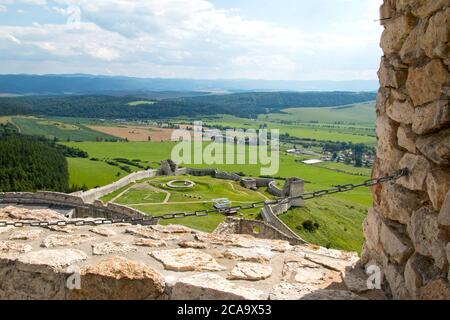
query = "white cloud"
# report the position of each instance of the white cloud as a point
(184, 38)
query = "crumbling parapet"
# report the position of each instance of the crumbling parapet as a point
(407, 230)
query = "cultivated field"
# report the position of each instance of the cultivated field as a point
(136, 133)
(317, 131)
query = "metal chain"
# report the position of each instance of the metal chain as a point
(204, 213)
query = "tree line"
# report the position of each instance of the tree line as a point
(247, 105)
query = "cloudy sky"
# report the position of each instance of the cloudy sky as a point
(259, 39)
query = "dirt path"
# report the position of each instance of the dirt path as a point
(234, 189)
(263, 195)
(168, 194)
(189, 202)
(120, 194)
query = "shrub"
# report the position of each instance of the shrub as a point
(310, 225)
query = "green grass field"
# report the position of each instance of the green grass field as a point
(92, 173)
(340, 223)
(358, 114)
(140, 103)
(318, 131)
(154, 197)
(345, 168)
(56, 129)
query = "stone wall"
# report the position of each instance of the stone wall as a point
(91, 195)
(255, 228)
(274, 190)
(167, 262)
(81, 209)
(270, 215)
(408, 229)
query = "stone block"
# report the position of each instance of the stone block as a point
(418, 168)
(391, 77)
(118, 278)
(425, 84)
(427, 237)
(395, 242)
(398, 203)
(431, 117)
(444, 215)
(407, 138)
(208, 286)
(400, 111)
(436, 147)
(396, 31)
(437, 36)
(438, 184)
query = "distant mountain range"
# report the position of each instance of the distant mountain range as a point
(90, 84)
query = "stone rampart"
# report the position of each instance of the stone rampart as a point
(255, 228)
(81, 209)
(274, 190)
(271, 218)
(91, 195)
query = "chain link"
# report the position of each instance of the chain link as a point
(204, 213)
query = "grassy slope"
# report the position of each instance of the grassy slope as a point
(340, 223)
(92, 173)
(362, 113)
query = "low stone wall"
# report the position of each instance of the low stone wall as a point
(81, 209)
(274, 190)
(227, 176)
(53, 198)
(268, 214)
(201, 172)
(91, 195)
(263, 182)
(257, 229)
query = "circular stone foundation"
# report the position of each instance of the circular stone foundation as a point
(180, 184)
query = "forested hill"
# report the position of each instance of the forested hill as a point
(239, 104)
(91, 84)
(30, 164)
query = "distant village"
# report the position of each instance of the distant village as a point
(344, 156)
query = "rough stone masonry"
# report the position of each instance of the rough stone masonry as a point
(123, 261)
(408, 229)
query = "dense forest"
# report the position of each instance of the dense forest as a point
(247, 105)
(33, 163)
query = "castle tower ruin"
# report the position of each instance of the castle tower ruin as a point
(407, 231)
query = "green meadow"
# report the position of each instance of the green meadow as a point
(318, 131)
(357, 114)
(52, 129)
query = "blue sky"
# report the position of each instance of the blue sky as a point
(258, 39)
